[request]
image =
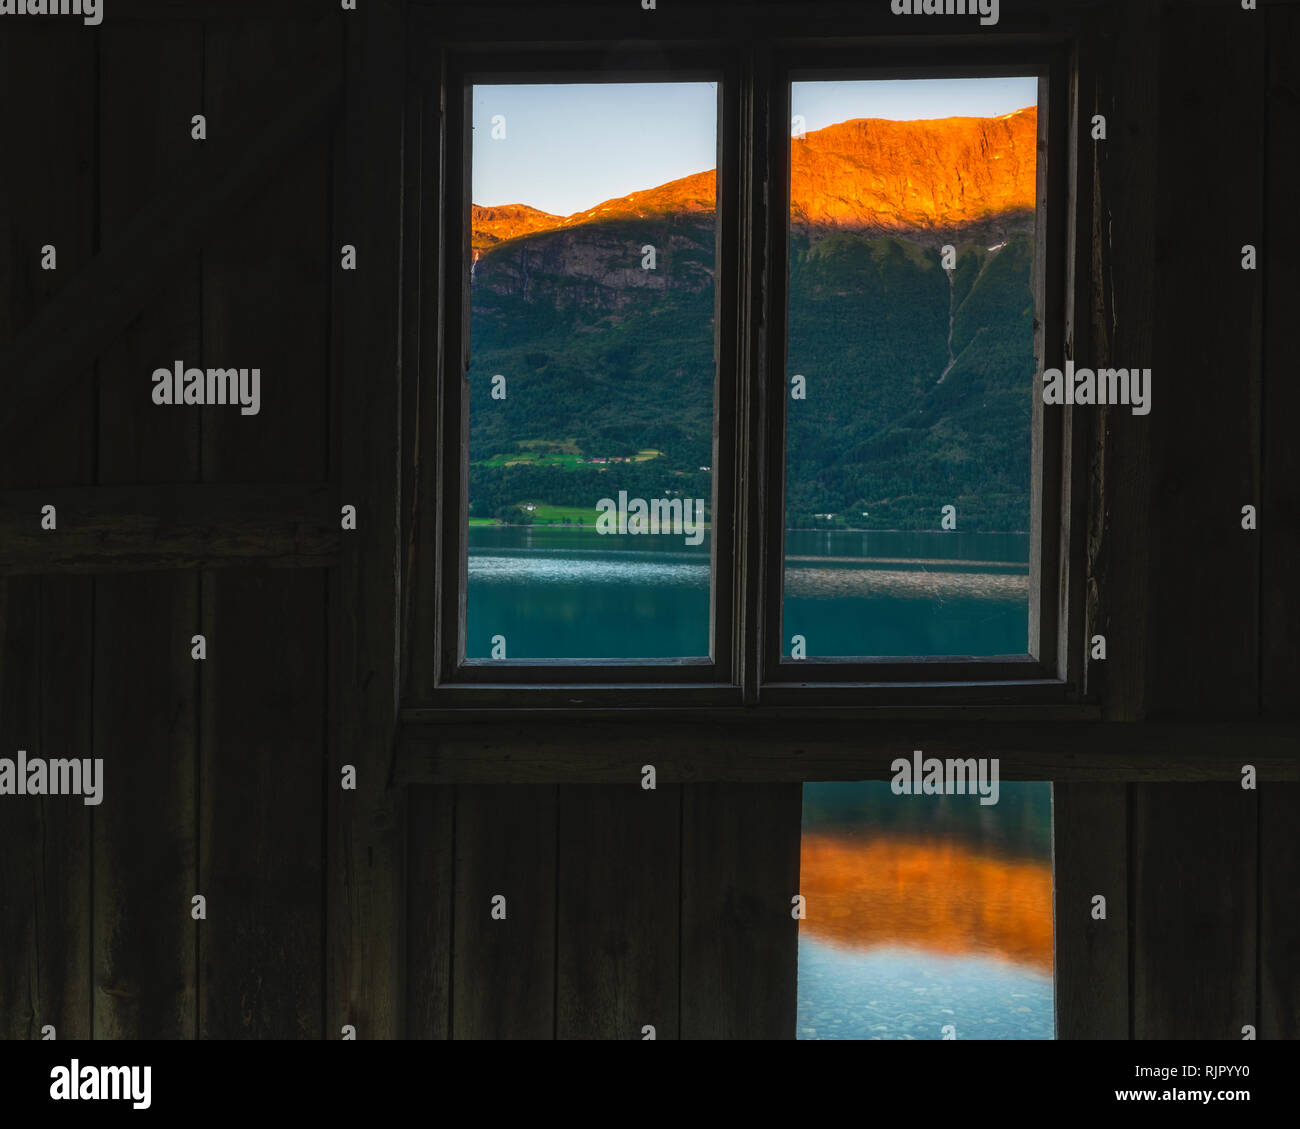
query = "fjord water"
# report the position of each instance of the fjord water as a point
(925, 913)
(563, 593)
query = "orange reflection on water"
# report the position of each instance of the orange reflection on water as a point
(931, 894)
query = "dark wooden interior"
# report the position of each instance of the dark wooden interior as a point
(329, 908)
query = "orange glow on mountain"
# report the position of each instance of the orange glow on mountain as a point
(934, 895)
(870, 174)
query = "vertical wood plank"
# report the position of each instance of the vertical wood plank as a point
(145, 681)
(618, 967)
(149, 88)
(1279, 914)
(1280, 512)
(45, 886)
(365, 926)
(504, 970)
(262, 741)
(429, 831)
(144, 830)
(1204, 421)
(1127, 57)
(1123, 59)
(20, 829)
(266, 298)
(1194, 905)
(45, 636)
(262, 748)
(47, 708)
(1279, 844)
(1090, 857)
(740, 946)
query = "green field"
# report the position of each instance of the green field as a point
(554, 516)
(557, 514)
(562, 458)
(533, 458)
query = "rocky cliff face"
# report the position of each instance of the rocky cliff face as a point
(596, 267)
(509, 221)
(926, 179)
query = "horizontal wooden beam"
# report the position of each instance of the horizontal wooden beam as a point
(145, 528)
(756, 746)
(218, 11)
(93, 308)
(497, 22)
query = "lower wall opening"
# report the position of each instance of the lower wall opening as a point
(926, 916)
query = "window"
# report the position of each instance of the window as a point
(592, 372)
(836, 367)
(910, 358)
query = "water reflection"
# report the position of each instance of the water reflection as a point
(565, 593)
(891, 593)
(588, 568)
(921, 581)
(925, 911)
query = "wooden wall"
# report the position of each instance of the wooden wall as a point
(625, 908)
(1200, 625)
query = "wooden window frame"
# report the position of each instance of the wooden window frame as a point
(453, 671)
(752, 230)
(1046, 672)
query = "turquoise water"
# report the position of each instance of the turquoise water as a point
(557, 593)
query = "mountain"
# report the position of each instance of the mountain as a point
(871, 174)
(918, 379)
(509, 221)
(913, 178)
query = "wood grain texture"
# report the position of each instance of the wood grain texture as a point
(617, 966)
(504, 970)
(262, 745)
(147, 528)
(1279, 912)
(753, 747)
(134, 265)
(1204, 652)
(1279, 841)
(45, 634)
(1194, 896)
(1126, 59)
(20, 830)
(1090, 858)
(429, 844)
(366, 930)
(1279, 531)
(45, 685)
(146, 684)
(145, 830)
(740, 867)
(264, 775)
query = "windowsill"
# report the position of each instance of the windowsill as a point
(773, 745)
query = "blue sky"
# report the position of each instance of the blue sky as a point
(570, 146)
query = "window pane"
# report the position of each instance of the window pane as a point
(910, 368)
(591, 382)
(925, 912)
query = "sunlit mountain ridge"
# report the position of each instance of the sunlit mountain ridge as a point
(869, 174)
